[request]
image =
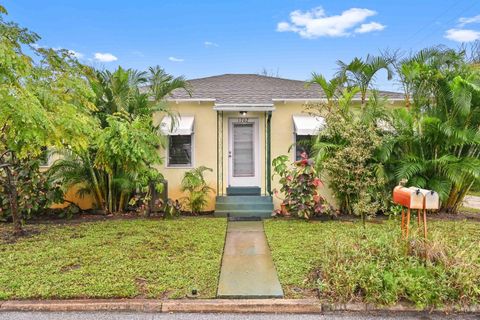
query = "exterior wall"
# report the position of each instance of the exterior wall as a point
(204, 147)
(283, 138)
(85, 203)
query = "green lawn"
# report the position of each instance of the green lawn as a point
(121, 258)
(346, 263)
(474, 193)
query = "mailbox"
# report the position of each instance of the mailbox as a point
(411, 198)
(432, 201)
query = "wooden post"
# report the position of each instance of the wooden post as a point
(425, 223)
(402, 226)
(408, 222)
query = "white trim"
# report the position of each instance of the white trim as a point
(191, 99)
(244, 107)
(247, 181)
(323, 99)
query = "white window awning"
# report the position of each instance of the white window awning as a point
(182, 125)
(308, 125)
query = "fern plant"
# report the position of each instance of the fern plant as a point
(197, 189)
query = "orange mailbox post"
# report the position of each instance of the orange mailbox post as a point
(415, 198)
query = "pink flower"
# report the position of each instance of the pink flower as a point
(289, 178)
(317, 182)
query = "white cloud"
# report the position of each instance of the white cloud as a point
(462, 35)
(210, 44)
(105, 57)
(369, 27)
(76, 54)
(316, 23)
(174, 59)
(464, 21)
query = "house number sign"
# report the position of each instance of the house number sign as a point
(243, 120)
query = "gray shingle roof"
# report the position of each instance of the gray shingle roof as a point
(254, 89)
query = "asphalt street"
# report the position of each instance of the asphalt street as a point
(197, 316)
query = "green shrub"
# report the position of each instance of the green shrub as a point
(345, 262)
(300, 184)
(197, 189)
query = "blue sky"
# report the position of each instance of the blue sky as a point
(202, 38)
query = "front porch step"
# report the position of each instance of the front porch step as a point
(244, 206)
(243, 191)
(244, 199)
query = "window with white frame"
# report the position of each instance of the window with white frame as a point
(180, 140)
(303, 143)
(305, 129)
(180, 151)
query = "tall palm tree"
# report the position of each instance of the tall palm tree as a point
(131, 96)
(437, 142)
(361, 73)
(331, 89)
(162, 84)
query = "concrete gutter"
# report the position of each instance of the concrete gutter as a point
(211, 306)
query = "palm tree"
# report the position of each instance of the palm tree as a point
(77, 170)
(331, 89)
(437, 142)
(361, 73)
(162, 84)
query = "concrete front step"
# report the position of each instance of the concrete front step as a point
(243, 213)
(244, 206)
(243, 191)
(244, 199)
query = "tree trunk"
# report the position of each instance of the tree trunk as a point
(13, 199)
(110, 193)
(121, 201)
(98, 192)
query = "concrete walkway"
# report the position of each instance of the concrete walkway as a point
(472, 202)
(247, 266)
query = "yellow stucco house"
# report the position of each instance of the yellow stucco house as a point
(236, 124)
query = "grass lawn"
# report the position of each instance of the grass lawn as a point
(474, 193)
(345, 263)
(116, 258)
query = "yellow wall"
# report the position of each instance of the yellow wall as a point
(85, 203)
(205, 144)
(283, 138)
(205, 147)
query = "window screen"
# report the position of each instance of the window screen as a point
(303, 144)
(180, 151)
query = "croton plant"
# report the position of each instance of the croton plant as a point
(300, 186)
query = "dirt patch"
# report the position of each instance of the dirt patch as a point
(70, 268)
(141, 285)
(7, 236)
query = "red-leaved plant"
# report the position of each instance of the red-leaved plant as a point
(300, 186)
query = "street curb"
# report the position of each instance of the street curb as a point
(243, 306)
(137, 305)
(214, 306)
